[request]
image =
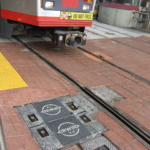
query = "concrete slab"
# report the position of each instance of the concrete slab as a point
(107, 94)
(102, 33)
(121, 30)
(2, 40)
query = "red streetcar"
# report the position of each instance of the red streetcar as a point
(63, 21)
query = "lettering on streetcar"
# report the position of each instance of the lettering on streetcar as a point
(76, 16)
(88, 16)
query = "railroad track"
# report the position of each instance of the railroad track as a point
(117, 66)
(133, 127)
(117, 41)
(117, 31)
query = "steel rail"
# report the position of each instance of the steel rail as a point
(141, 133)
(137, 49)
(115, 65)
(2, 137)
(122, 33)
(133, 126)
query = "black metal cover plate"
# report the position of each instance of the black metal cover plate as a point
(68, 130)
(51, 110)
(60, 122)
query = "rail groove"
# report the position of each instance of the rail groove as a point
(139, 132)
(115, 65)
(121, 33)
(137, 49)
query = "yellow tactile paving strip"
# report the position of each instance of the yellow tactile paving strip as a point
(9, 78)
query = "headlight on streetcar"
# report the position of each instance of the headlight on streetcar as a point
(86, 7)
(49, 4)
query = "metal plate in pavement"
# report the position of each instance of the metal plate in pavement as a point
(51, 110)
(61, 122)
(48, 140)
(93, 125)
(48, 110)
(84, 102)
(107, 94)
(30, 115)
(69, 130)
(71, 104)
(97, 143)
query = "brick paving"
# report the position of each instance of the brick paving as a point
(146, 38)
(138, 43)
(117, 134)
(43, 83)
(94, 74)
(130, 58)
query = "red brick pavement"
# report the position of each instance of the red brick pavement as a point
(146, 38)
(43, 83)
(137, 43)
(123, 55)
(118, 135)
(94, 74)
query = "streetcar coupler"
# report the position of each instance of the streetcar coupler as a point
(70, 38)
